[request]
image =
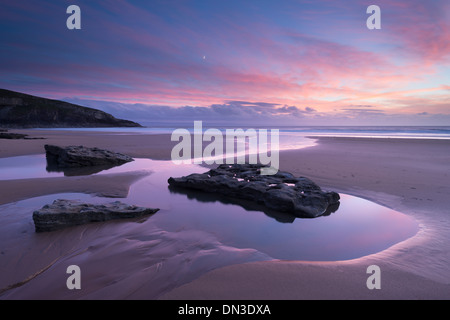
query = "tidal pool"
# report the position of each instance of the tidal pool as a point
(358, 228)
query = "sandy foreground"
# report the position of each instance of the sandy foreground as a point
(407, 175)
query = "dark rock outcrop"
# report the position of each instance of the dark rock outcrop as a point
(65, 213)
(19, 110)
(4, 134)
(281, 192)
(79, 156)
(12, 136)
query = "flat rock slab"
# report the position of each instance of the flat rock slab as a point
(65, 213)
(281, 192)
(79, 156)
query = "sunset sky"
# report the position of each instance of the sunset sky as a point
(303, 62)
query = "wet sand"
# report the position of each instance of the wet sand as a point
(407, 175)
(135, 145)
(111, 185)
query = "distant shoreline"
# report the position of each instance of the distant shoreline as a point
(401, 132)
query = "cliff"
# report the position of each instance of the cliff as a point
(19, 110)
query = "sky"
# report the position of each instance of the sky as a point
(246, 62)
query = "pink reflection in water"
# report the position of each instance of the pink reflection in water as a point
(358, 228)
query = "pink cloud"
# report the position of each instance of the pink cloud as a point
(129, 54)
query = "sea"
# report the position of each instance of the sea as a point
(296, 137)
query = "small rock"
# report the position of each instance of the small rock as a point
(79, 156)
(64, 213)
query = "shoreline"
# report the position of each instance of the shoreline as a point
(407, 175)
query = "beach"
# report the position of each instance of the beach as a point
(407, 175)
